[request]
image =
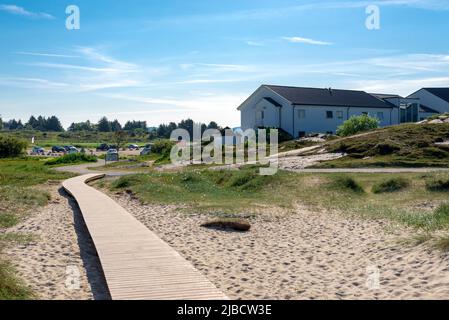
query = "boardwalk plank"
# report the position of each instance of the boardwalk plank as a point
(137, 264)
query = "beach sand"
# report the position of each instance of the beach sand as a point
(61, 251)
(303, 255)
(287, 254)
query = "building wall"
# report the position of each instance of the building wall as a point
(272, 115)
(315, 120)
(431, 101)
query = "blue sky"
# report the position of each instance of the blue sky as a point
(163, 61)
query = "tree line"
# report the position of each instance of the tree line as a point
(53, 124)
(40, 123)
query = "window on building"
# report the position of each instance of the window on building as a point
(301, 113)
(262, 115)
(339, 114)
(380, 115)
(329, 114)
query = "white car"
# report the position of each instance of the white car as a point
(73, 150)
(112, 151)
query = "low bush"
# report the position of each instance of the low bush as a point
(438, 184)
(347, 183)
(357, 124)
(71, 158)
(391, 185)
(162, 146)
(11, 147)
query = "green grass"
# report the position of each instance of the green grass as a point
(407, 145)
(217, 191)
(244, 192)
(74, 158)
(27, 172)
(11, 288)
(8, 220)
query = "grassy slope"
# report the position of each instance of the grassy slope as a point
(407, 145)
(245, 192)
(18, 196)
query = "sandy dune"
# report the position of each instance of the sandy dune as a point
(303, 255)
(62, 249)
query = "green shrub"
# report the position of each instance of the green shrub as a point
(357, 124)
(347, 183)
(391, 185)
(11, 147)
(437, 184)
(162, 146)
(71, 158)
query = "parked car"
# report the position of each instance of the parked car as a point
(133, 147)
(103, 147)
(38, 151)
(145, 151)
(112, 151)
(67, 148)
(73, 150)
(57, 149)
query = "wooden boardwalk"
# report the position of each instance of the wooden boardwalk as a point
(136, 263)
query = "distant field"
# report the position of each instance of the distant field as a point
(84, 139)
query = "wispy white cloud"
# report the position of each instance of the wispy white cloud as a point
(403, 87)
(307, 41)
(20, 11)
(92, 70)
(201, 103)
(217, 67)
(51, 55)
(32, 83)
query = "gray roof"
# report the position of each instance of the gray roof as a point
(273, 102)
(329, 97)
(426, 109)
(442, 93)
